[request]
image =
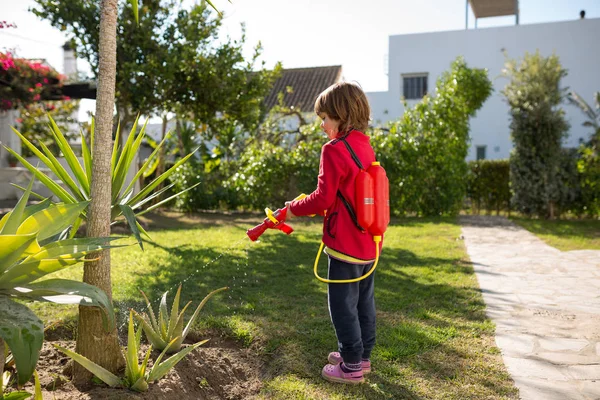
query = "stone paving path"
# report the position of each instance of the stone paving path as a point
(546, 307)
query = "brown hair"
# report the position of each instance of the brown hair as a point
(345, 102)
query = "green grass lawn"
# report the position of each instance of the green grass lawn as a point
(434, 340)
(565, 235)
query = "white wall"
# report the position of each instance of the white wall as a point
(380, 107)
(7, 136)
(575, 42)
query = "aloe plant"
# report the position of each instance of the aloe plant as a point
(137, 376)
(32, 245)
(167, 332)
(124, 201)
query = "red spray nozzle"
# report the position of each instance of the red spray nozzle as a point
(274, 220)
(254, 233)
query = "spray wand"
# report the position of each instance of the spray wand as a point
(274, 220)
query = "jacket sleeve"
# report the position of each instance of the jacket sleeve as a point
(331, 172)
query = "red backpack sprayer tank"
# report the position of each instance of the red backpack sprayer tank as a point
(372, 214)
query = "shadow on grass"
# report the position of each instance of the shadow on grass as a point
(275, 303)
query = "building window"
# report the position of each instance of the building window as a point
(481, 152)
(414, 86)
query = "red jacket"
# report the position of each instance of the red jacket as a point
(338, 171)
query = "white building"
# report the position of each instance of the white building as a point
(417, 60)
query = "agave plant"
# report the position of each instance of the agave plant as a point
(32, 245)
(167, 332)
(136, 376)
(124, 201)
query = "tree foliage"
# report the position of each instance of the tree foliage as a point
(538, 126)
(174, 61)
(424, 151)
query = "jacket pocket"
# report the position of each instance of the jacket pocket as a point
(330, 224)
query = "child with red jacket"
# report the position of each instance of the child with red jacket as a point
(344, 110)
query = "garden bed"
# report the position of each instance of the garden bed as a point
(220, 369)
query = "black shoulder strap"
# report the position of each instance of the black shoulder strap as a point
(352, 153)
(347, 204)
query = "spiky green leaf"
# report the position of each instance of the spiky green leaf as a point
(45, 179)
(65, 291)
(150, 187)
(14, 220)
(160, 370)
(25, 272)
(195, 315)
(150, 311)
(130, 217)
(160, 203)
(70, 157)
(153, 337)
(63, 175)
(134, 7)
(87, 157)
(104, 375)
(52, 220)
(13, 249)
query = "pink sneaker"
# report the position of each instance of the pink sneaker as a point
(334, 373)
(336, 358)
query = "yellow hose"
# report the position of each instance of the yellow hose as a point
(376, 239)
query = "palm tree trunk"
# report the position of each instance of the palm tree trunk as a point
(93, 341)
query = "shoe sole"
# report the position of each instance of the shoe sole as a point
(335, 379)
(336, 362)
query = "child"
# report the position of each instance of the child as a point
(344, 110)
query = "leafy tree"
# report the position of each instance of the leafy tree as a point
(171, 63)
(538, 126)
(424, 151)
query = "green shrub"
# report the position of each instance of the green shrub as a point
(537, 127)
(488, 185)
(210, 193)
(588, 167)
(588, 163)
(424, 151)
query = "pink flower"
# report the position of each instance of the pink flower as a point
(19, 120)
(66, 98)
(45, 80)
(38, 85)
(8, 63)
(30, 90)
(36, 97)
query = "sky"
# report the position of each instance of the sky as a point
(307, 33)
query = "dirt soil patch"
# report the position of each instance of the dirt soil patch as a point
(220, 369)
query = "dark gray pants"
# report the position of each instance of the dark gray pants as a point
(352, 310)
